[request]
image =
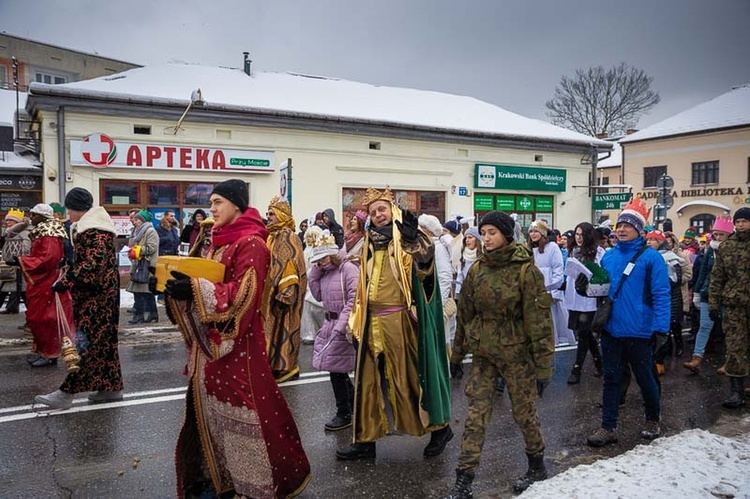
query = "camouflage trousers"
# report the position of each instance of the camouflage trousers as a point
(520, 380)
(736, 324)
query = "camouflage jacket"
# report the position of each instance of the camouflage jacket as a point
(730, 276)
(496, 311)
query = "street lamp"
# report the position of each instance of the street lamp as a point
(196, 100)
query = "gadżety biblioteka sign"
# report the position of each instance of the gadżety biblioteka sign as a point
(519, 178)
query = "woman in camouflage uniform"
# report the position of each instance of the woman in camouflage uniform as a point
(504, 320)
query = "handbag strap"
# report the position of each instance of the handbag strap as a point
(625, 275)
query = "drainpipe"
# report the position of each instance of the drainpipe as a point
(61, 173)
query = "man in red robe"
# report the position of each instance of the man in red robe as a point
(239, 436)
(40, 269)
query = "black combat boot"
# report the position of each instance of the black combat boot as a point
(535, 473)
(575, 375)
(462, 489)
(598, 367)
(361, 450)
(737, 396)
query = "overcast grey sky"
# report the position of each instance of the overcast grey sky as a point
(507, 52)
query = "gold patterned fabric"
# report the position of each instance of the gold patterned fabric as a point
(283, 297)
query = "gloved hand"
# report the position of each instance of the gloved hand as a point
(582, 283)
(697, 300)
(457, 370)
(152, 281)
(540, 386)
(13, 261)
(59, 287)
(409, 228)
(714, 315)
(179, 288)
(661, 340)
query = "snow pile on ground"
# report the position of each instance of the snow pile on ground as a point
(695, 463)
(127, 299)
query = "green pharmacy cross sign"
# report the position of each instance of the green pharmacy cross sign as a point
(610, 201)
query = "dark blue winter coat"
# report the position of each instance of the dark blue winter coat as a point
(642, 306)
(704, 276)
(169, 240)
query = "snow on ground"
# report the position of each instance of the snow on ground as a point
(127, 299)
(695, 463)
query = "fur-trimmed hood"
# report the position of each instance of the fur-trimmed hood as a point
(96, 218)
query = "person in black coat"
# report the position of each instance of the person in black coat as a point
(169, 238)
(191, 230)
(336, 230)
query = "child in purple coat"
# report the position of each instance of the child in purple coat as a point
(333, 281)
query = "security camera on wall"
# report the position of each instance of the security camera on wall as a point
(51, 175)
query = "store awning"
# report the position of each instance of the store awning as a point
(704, 202)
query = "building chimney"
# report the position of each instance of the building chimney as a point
(602, 135)
(630, 131)
(248, 62)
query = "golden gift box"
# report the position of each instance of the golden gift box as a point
(193, 267)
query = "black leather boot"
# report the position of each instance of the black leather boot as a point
(598, 367)
(535, 473)
(438, 440)
(737, 396)
(575, 375)
(462, 488)
(361, 450)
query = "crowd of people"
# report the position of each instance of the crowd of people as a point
(398, 299)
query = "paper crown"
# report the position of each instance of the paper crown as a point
(15, 214)
(325, 238)
(724, 224)
(324, 245)
(280, 204)
(373, 195)
(638, 205)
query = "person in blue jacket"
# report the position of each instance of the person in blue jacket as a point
(640, 316)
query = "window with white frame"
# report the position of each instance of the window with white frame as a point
(4, 77)
(51, 79)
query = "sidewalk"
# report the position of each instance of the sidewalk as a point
(11, 336)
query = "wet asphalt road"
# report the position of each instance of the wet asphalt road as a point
(126, 449)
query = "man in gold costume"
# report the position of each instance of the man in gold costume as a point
(284, 291)
(397, 321)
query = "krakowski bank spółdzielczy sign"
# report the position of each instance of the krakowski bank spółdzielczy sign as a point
(524, 178)
(100, 151)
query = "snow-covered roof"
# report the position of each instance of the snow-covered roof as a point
(727, 110)
(615, 159)
(317, 97)
(8, 105)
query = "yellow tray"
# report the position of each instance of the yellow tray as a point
(194, 267)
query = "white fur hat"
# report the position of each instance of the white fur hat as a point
(431, 224)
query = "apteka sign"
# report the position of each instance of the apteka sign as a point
(100, 151)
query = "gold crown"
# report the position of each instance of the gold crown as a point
(324, 239)
(15, 213)
(373, 195)
(280, 204)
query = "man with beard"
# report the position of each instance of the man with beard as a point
(397, 322)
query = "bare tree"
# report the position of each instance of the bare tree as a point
(602, 101)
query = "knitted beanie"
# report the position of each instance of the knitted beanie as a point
(743, 213)
(502, 221)
(79, 199)
(234, 190)
(634, 214)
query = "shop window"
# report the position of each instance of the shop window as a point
(120, 193)
(705, 173)
(163, 194)
(198, 194)
(702, 222)
(429, 202)
(651, 175)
